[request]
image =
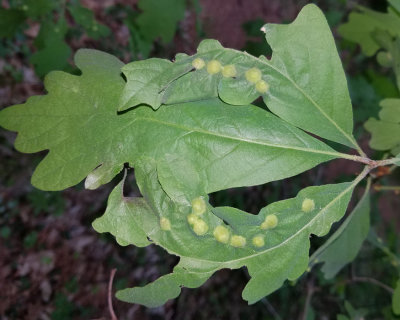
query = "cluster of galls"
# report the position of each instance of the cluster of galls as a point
(253, 75)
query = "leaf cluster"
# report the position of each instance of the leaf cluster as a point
(189, 129)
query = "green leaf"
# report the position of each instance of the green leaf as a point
(10, 21)
(398, 160)
(304, 83)
(87, 20)
(343, 246)
(139, 47)
(396, 299)
(360, 26)
(38, 8)
(282, 254)
(126, 218)
(385, 132)
(355, 314)
(53, 52)
(391, 56)
(101, 175)
(53, 57)
(395, 4)
(315, 101)
(78, 123)
(145, 79)
(72, 121)
(159, 18)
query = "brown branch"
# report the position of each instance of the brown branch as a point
(373, 281)
(110, 306)
(387, 188)
(310, 292)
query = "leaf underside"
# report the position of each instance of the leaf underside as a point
(181, 132)
(343, 246)
(307, 84)
(284, 255)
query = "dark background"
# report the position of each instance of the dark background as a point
(53, 265)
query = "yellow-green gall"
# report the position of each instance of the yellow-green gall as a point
(258, 241)
(308, 205)
(199, 206)
(192, 218)
(262, 86)
(221, 234)
(253, 75)
(200, 227)
(238, 241)
(229, 71)
(165, 224)
(214, 67)
(198, 63)
(270, 222)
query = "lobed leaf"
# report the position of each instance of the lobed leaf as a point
(343, 246)
(389, 57)
(385, 132)
(362, 24)
(282, 255)
(198, 143)
(78, 123)
(74, 121)
(303, 83)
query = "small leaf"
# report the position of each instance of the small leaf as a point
(85, 17)
(164, 288)
(53, 57)
(126, 218)
(343, 246)
(361, 24)
(159, 18)
(146, 79)
(101, 175)
(53, 52)
(385, 133)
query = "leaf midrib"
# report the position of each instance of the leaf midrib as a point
(259, 253)
(313, 102)
(205, 132)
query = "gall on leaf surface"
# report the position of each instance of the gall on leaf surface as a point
(303, 83)
(282, 255)
(187, 150)
(221, 146)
